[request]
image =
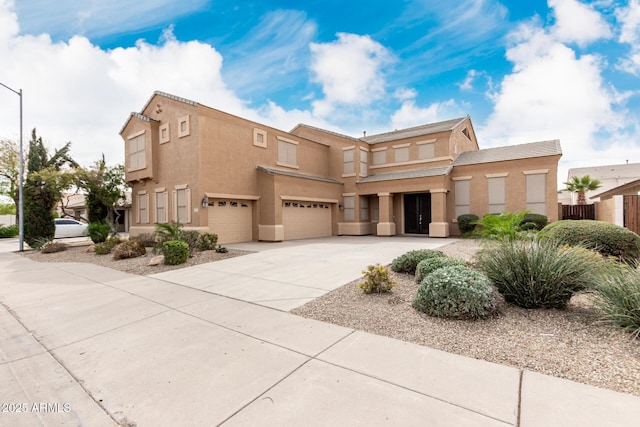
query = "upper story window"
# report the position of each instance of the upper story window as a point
(183, 126)
(363, 162)
(379, 156)
(401, 153)
(164, 133)
(259, 138)
(137, 151)
(426, 150)
(349, 161)
(287, 153)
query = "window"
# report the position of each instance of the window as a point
(363, 162)
(287, 155)
(349, 161)
(349, 208)
(182, 204)
(162, 216)
(462, 190)
(143, 208)
(497, 194)
(364, 209)
(426, 151)
(401, 154)
(380, 157)
(259, 138)
(164, 133)
(183, 126)
(137, 152)
(536, 193)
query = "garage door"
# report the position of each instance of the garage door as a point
(230, 220)
(303, 220)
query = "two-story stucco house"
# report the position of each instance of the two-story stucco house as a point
(243, 180)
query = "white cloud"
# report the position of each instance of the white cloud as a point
(467, 84)
(552, 93)
(410, 114)
(350, 71)
(629, 17)
(577, 22)
(403, 93)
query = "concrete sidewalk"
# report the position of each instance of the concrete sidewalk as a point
(86, 345)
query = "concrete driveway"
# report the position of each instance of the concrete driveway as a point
(82, 345)
(289, 274)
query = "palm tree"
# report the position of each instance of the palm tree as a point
(582, 184)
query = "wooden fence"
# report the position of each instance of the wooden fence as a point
(632, 213)
(578, 211)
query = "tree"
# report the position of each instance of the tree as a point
(105, 188)
(47, 177)
(581, 185)
(9, 169)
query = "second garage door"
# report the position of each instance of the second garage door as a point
(304, 220)
(231, 220)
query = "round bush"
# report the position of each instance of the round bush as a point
(99, 231)
(207, 241)
(533, 221)
(175, 252)
(430, 265)
(457, 291)
(408, 262)
(466, 222)
(540, 273)
(606, 238)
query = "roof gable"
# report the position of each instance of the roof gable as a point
(428, 129)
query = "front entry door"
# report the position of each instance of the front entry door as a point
(417, 213)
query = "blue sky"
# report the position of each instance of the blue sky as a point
(523, 70)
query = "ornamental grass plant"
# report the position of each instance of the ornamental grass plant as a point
(541, 273)
(618, 297)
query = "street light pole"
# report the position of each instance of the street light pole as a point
(21, 175)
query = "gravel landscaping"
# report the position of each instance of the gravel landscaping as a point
(571, 343)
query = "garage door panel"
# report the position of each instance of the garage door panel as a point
(231, 220)
(304, 220)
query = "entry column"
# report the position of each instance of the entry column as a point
(439, 227)
(386, 226)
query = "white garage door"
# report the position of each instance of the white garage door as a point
(303, 220)
(230, 220)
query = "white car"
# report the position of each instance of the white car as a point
(67, 227)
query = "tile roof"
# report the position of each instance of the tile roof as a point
(302, 125)
(272, 171)
(510, 152)
(629, 170)
(137, 116)
(427, 129)
(419, 173)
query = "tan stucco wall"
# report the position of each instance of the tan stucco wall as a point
(605, 210)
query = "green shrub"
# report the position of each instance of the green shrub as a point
(618, 297)
(207, 241)
(52, 247)
(376, 280)
(457, 291)
(190, 237)
(8, 231)
(505, 225)
(408, 262)
(467, 222)
(429, 265)
(534, 221)
(606, 238)
(175, 252)
(106, 246)
(39, 242)
(221, 249)
(147, 239)
(99, 231)
(541, 272)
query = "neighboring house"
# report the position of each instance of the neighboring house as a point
(610, 176)
(75, 205)
(216, 172)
